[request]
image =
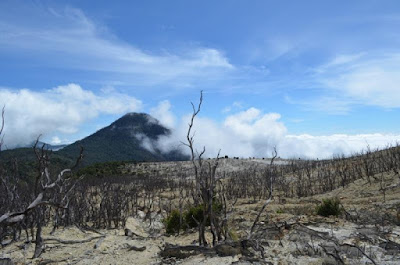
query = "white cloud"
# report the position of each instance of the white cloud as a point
(236, 105)
(55, 140)
(330, 105)
(270, 48)
(69, 39)
(62, 109)
(337, 144)
(146, 142)
(251, 125)
(163, 113)
(364, 79)
(252, 133)
(339, 60)
(248, 133)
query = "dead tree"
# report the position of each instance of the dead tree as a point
(47, 191)
(271, 180)
(205, 182)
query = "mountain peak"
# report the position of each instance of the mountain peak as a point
(135, 114)
(137, 117)
(139, 123)
(128, 138)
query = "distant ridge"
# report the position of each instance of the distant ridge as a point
(41, 144)
(49, 146)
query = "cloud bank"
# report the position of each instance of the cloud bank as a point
(62, 109)
(249, 133)
(252, 133)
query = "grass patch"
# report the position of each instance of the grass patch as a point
(280, 211)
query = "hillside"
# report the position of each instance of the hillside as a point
(290, 231)
(130, 138)
(266, 213)
(23, 162)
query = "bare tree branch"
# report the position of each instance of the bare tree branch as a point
(269, 199)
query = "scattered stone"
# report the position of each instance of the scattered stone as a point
(128, 232)
(138, 226)
(98, 243)
(137, 248)
(182, 252)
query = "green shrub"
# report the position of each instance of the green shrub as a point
(189, 217)
(197, 213)
(217, 207)
(330, 206)
(194, 212)
(172, 222)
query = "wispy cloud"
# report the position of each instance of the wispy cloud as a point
(348, 81)
(236, 105)
(366, 79)
(69, 39)
(343, 61)
(271, 48)
(333, 105)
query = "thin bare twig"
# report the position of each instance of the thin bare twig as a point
(269, 199)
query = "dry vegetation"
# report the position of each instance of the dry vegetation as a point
(260, 211)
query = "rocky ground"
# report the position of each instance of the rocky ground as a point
(289, 232)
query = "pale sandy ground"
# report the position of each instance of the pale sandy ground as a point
(224, 165)
(115, 247)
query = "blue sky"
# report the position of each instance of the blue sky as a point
(330, 70)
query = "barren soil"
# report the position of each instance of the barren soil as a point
(290, 230)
